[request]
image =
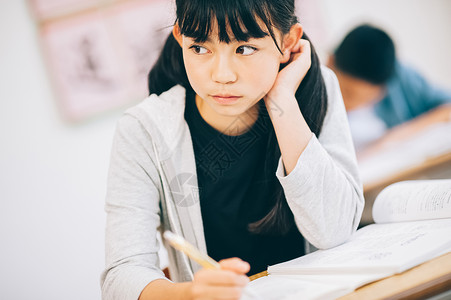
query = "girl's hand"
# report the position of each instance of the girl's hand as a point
(292, 131)
(289, 78)
(225, 283)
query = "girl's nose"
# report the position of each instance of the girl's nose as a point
(223, 70)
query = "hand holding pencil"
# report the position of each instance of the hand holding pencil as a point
(217, 280)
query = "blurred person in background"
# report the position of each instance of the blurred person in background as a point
(386, 101)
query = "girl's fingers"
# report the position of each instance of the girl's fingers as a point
(304, 44)
(302, 48)
(220, 278)
(219, 283)
(235, 264)
(297, 47)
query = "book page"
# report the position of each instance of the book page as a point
(413, 200)
(350, 281)
(378, 248)
(291, 288)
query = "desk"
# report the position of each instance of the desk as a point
(426, 280)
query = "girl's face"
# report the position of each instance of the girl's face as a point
(231, 78)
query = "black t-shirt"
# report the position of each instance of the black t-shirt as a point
(234, 192)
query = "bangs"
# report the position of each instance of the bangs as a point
(235, 19)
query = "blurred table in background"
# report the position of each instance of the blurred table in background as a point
(426, 156)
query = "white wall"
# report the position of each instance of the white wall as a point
(52, 174)
(52, 177)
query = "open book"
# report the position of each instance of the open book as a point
(413, 225)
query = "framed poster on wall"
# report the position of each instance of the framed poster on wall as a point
(98, 55)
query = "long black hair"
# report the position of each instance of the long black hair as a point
(241, 18)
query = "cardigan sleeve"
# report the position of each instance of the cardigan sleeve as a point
(132, 206)
(324, 190)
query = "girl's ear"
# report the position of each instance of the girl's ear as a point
(290, 40)
(177, 35)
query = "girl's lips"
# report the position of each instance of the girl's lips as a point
(225, 99)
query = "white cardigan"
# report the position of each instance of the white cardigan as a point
(152, 184)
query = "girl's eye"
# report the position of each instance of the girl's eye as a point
(198, 49)
(246, 50)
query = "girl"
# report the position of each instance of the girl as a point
(243, 148)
